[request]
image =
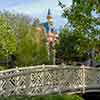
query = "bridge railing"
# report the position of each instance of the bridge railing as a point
(47, 79)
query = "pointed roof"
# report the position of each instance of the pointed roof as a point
(49, 12)
(49, 17)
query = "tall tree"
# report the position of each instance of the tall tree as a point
(26, 42)
(82, 26)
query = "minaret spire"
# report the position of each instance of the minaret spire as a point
(49, 17)
(49, 12)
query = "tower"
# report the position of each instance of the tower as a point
(49, 17)
(50, 21)
(51, 37)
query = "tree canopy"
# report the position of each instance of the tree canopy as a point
(18, 37)
(82, 32)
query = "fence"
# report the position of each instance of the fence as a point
(48, 79)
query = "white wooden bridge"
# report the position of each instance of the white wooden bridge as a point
(48, 79)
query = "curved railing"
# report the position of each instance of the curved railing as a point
(48, 79)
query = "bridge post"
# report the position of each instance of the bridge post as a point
(83, 78)
(43, 79)
(28, 83)
(59, 83)
(17, 82)
(7, 93)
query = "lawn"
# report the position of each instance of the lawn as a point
(50, 97)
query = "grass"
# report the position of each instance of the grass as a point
(50, 97)
(2, 68)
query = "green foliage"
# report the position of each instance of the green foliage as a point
(98, 58)
(3, 68)
(80, 34)
(71, 47)
(22, 39)
(7, 39)
(50, 97)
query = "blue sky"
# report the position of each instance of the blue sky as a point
(37, 8)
